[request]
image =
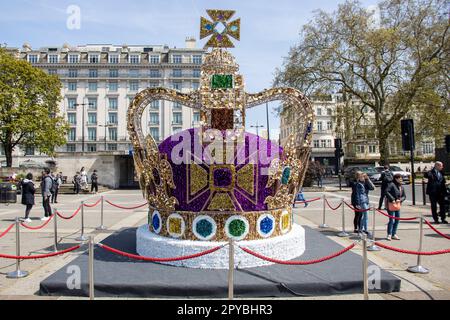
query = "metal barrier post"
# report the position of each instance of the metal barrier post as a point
(231, 270)
(373, 246)
(324, 225)
(365, 267)
(419, 268)
(82, 237)
(343, 233)
(102, 227)
(91, 269)
(18, 273)
(424, 194)
(55, 229)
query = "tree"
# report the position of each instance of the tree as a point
(29, 113)
(389, 62)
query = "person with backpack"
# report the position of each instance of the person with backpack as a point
(386, 178)
(94, 182)
(46, 187)
(57, 182)
(28, 191)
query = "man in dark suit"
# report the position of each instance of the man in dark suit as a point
(436, 191)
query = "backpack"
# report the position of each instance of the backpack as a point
(54, 186)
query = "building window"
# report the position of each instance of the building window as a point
(195, 85)
(154, 85)
(92, 119)
(71, 102)
(72, 86)
(113, 103)
(177, 118)
(329, 142)
(329, 125)
(112, 134)
(29, 151)
(33, 58)
(177, 59)
(177, 130)
(92, 134)
(112, 147)
(94, 58)
(92, 148)
(319, 111)
(155, 74)
(113, 86)
(428, 147)
(92, 103)
(154, 132)
(177, 73)
(114, 73)
(112, 118)
(72, 118)
(197, 59)
(319, 126)
(53, 58)
(134, 73)
(361, 149)
(71, 148)
(114, 58)
(53, 72)
(93, 73)
(177, 85)
(154, 118)
(323, 144)
(177, 106)
(154, 59)
(73, 73)
(154, 104)
(196, 73)
(72, 135)
(196, 117)
(372, 149)
(329, 112)
(134, 85)
(134, 58)
(74, 58)
(92, 86)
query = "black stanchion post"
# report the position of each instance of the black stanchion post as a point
(18, 273)
(424, 194)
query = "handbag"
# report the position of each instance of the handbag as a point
(395, 206)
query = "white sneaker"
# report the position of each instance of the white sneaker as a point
(45, 219)
(389, 238)
(27, 220)
(395, 237)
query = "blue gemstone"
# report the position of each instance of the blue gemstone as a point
(204, 228)
(208, 27)
(234, 28)
(156, 222)
(266, 225)
(286, 176)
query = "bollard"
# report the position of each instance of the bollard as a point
(91, 269)
(424, 194)
(343, 233)
(231, 270)
(18, 273)
(82, 237)
(55, 229)
(373, 246)
(419, 268)
(324, 225)
(102, 227)
(365, 268)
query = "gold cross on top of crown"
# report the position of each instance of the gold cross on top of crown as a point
(220, 29)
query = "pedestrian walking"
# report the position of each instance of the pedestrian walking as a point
(319, 174)
(94, 182)
(360, 200)
(395, 196)
(301, 198)
(28, 191)
(436, 189)
(84, 179)
(386, 178)
(57, 182)
(46, 186)
(77, 183)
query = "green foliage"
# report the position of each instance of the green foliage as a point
(391, 67)
(29, 113)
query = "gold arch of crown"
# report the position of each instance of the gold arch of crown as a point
(153, 169)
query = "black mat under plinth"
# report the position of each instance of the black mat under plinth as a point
(116, 276)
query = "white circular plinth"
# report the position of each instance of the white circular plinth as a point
(286, 247)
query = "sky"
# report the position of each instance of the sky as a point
(268, 30)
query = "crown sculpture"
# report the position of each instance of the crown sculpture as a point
(214, 183)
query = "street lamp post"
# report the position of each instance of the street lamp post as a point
(257, 127)
(83, 124)
(105, 126)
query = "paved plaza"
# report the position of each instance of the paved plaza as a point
(435, 285)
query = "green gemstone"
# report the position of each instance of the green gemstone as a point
(222, 81)
(237, 228)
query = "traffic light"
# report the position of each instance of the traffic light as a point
(408, 140)
(447, 143)
(338, 145)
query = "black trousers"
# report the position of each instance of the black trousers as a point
(55, 196)
(94, 186)
(435, 200)
(47, 207)
(28, 210)
(357, 220)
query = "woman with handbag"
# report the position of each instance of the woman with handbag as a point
(395, 196)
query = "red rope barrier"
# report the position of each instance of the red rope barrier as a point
(432, 228)
(37, 228)
(72, 216)
(42, 256)
(416, 253)
(354, 209)
(334, 209)
(136, 257)
(93, 205)
(126, 208)
(4, 233)
(395, 218)
(308, 201)
(299, 263)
